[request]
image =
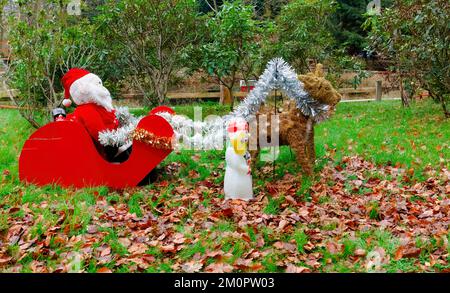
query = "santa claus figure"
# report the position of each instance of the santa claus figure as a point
(94, 105)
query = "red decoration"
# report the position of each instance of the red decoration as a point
(247, 86)
(161, 109)
(44, 158)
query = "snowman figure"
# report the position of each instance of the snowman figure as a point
(238, 177)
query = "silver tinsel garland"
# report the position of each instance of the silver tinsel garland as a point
(280, 75)
(121, 135)
(211, 134)
(125, 117)
(189, 134)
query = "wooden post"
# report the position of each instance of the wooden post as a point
(379, 90)
(221, 97)
(225, 95)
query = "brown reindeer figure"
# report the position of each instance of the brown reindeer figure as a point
(296, 129)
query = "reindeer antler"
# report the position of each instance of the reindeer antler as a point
(319, 70)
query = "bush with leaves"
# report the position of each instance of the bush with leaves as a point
(230, 46)
(303, 31)
(340, 62)
(416, 36)
(45, 42)
(153, 37)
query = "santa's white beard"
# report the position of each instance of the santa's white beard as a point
(105, 102)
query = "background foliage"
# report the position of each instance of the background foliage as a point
(303, 31)
(153, 37)
(230, 43)
(45, 42)
(153, 44)
(415, 35)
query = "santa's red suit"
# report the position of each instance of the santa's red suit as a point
(94, 118)
(94, 104)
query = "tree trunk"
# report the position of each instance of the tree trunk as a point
(30, 119)
(225, 94)
(446, 112)
(158, 88)
(444, 107)
(441, 99)
(161, 93)
(403, 95)
(232, 98)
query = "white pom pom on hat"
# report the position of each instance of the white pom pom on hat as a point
(67, 102)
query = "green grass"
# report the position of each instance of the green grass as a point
(301, 239)
(204, 108)
(273, 205)
(384, 133)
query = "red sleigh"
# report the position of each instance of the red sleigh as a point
(56, 145)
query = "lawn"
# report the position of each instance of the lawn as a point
(379, 201)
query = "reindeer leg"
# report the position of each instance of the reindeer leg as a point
(297, 141)
(311, 150)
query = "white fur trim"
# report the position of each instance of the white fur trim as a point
(89, 89)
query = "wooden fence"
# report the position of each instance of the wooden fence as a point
(224, 96)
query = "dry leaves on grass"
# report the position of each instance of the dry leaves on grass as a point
(182, 225)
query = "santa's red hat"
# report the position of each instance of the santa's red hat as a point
(68, 79)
